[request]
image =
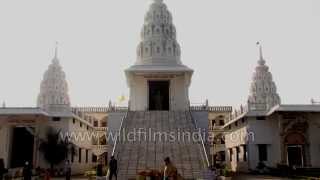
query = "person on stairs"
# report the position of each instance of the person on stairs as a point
(170, 172)
(113, 168)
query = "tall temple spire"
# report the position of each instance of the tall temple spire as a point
(54, 87)
(158, 57)
(263, 91)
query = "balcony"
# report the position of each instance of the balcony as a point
(219, 147)
(99, 149)
(104, 129)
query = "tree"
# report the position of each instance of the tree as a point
(54, 149)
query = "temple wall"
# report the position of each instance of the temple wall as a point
(253, 133)
(66, 125)
(314, 138)
(138, 93)
(265, 132)
(5, 144)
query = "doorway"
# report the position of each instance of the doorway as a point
(295, 157)
(159, 95)
(22, 147)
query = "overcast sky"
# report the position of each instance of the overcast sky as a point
(98, 39)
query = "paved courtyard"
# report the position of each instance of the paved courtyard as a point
(240, 177)
(257, 177)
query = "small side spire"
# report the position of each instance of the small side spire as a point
(56, 50)
(4, 104)
(261, 53)
(261, 59)
(55, 59)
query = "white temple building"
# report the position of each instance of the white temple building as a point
(263, 131)
(266, 131)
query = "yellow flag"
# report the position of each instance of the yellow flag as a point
(121, 98)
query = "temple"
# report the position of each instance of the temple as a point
(263, 131)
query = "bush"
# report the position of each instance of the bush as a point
(227, 172)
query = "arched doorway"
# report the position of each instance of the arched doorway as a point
(295, 146)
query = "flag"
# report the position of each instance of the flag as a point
(121, 98)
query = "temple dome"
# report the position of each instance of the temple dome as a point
(54, 87)
(158, 45)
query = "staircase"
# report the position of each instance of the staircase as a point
(147, 152)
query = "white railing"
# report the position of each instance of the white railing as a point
(245, 109)
(83, 115)
(99, 149)
(98, 146)
(119, 132)
(101, 109)
(202, 142)
(117, 138)
(104, 129)
(211, 108)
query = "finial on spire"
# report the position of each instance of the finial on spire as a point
(56, 50)
(261, 59)
(158, 1)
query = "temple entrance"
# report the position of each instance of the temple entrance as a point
(295, 156)
(295, 149)
(22, 147)
(159, 95)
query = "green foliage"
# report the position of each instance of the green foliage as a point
(227, 172)
(54, 149)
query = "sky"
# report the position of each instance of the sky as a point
(98, 39)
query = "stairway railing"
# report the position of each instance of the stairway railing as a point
(117, 137)
(202, 141)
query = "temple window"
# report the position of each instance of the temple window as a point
(244, 152)
(238, 154)
(263, 152)
(80, 151)
(221, 122)
(230, 154)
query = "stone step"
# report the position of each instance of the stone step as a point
(141, 155)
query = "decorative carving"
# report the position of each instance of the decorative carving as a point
(299, 124)
(159, 34)
(54, 87)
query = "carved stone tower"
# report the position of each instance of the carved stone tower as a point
(158, 80)
(53, 94)
(263, 91)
